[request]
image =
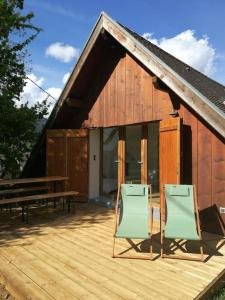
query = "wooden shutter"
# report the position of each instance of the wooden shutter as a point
(170, 151)
(67, 155)
(55, 154)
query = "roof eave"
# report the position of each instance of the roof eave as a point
(202, 105)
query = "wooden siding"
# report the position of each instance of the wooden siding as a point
(207, 162)
(127, 97)
(55, 152)
(67, 155)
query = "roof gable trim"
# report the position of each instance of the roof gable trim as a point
(205, 108)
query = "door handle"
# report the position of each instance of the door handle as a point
(140, 162)
(116, 161)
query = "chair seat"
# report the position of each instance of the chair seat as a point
(181, 233)
(135, 227)
(180, 223)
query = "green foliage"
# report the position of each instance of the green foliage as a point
(219, 295)
(17, 122)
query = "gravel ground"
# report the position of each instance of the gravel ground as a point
(4, 294)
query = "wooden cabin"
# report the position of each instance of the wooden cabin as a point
(131, 112)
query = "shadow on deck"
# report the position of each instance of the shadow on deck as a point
(12, 229)
(68, 256)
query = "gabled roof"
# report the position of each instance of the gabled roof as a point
(204, 95)
(211, 89)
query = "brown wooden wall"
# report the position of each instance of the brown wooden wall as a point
(67, 155)
(127, 97)
(204, 166)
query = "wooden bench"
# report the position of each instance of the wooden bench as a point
(5, 193)
(23, 190)
(25, 200)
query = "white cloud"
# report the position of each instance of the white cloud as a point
(197, 53)
(54, 92)
(32, 93)
(148, 36)
(65, 78)
(62, 52)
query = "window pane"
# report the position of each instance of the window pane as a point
(110, 156)
(133, 154)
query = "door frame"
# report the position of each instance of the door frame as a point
(164, 125)
(122, 153)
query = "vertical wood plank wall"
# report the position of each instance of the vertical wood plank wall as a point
(127, 98)
(122, 92)
(67, 155)
(208, 168)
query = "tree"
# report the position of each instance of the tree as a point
(17, 121)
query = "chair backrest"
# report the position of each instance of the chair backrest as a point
(180, 212)
(135, 198)
(134, 211)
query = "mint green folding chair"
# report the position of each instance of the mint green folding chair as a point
(180, 217)
(133, 216)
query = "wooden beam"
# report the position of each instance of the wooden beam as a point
(73, 102)
(159, 85)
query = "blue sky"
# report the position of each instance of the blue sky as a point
(184, 28)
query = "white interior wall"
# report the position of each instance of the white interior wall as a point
(94, 163)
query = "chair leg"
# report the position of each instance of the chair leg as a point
(23, 212)
(162, 245)
(151, 247)
(27, 213)
(185, 257)
(74, 206)
(68, 203)
(201, 251)
(151, 243)
(161, 235)
(114, 241)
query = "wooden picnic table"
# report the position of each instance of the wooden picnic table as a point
(32, 180)
(24, 200)
(57, 185)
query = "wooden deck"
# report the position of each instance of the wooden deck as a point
(62, 256)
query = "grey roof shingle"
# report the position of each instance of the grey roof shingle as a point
(208, 87)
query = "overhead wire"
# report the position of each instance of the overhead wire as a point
(49, 95)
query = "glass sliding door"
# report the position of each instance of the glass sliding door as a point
(138, 146)
(153, 157)
(110, 139)
(133, 154)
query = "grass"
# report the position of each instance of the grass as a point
(219, 295)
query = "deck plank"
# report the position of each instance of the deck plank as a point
(62, 256)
